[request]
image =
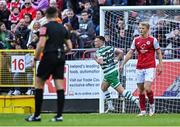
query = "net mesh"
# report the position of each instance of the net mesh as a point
(120, 28)
(16, 68)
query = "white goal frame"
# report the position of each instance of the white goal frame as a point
(108, 8)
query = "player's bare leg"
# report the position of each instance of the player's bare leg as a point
(104, 88)
(142, 99)
(149, 92)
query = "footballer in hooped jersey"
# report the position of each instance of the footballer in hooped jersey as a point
(105, 57)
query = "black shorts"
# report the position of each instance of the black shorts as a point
(51, 65)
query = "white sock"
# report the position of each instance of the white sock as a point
(109, 100)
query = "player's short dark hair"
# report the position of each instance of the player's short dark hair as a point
(51, 12)
(84, 11)
(101, 38)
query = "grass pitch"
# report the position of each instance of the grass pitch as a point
(94, 120)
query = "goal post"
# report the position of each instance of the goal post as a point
(119, 25)
(104, 9)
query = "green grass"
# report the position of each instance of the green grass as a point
(94, 120)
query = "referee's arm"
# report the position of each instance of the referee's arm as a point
(40, 47)
(68, 45)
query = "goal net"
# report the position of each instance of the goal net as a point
(16, 68)
(119, 25)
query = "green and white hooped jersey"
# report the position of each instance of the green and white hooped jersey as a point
(107, 52)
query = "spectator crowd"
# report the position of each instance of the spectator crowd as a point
(20, 20)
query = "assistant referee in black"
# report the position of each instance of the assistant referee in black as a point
(53, 39)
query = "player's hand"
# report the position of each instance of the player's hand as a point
(159, 69)
(33, 63)
(116, 61)
(121, 67)
(100, 60)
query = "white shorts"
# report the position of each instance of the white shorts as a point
(143, 75)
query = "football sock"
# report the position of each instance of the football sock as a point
(38, 101)
(60, 102)
(142, 101)
(150, 97)
(128, 95)
(109, 100)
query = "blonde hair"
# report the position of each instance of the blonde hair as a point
(145, 24)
